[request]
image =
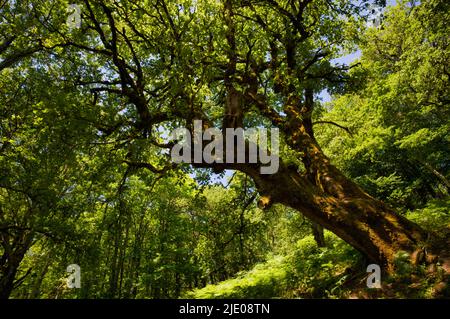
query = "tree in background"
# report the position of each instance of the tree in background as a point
(399, 149)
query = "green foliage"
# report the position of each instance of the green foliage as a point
(320, 271)
(435, 216)
(266, 280)
(399, 146)
(307, 271)
(334, 271)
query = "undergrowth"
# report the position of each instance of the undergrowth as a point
(336, 271)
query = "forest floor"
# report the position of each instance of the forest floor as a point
(338, 271)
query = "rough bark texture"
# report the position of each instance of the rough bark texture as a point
(322, 193)
(10, 262)
(340, 206)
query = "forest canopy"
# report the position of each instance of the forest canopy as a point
(91, 91)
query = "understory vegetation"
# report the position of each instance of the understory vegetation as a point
(334, 271)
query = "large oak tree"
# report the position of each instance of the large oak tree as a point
(153, 66)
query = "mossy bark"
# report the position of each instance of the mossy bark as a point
(328, 198)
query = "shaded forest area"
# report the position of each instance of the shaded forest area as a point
(90, 92)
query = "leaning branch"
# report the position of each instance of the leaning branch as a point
(150, 167)
(335, 124)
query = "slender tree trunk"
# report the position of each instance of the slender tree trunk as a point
(318, 234)
(38, 281)
(444, 181)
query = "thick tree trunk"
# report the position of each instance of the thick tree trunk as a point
(7, 277)
(328, 198)
(340, 206)
(324, 195)
(10, 261)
